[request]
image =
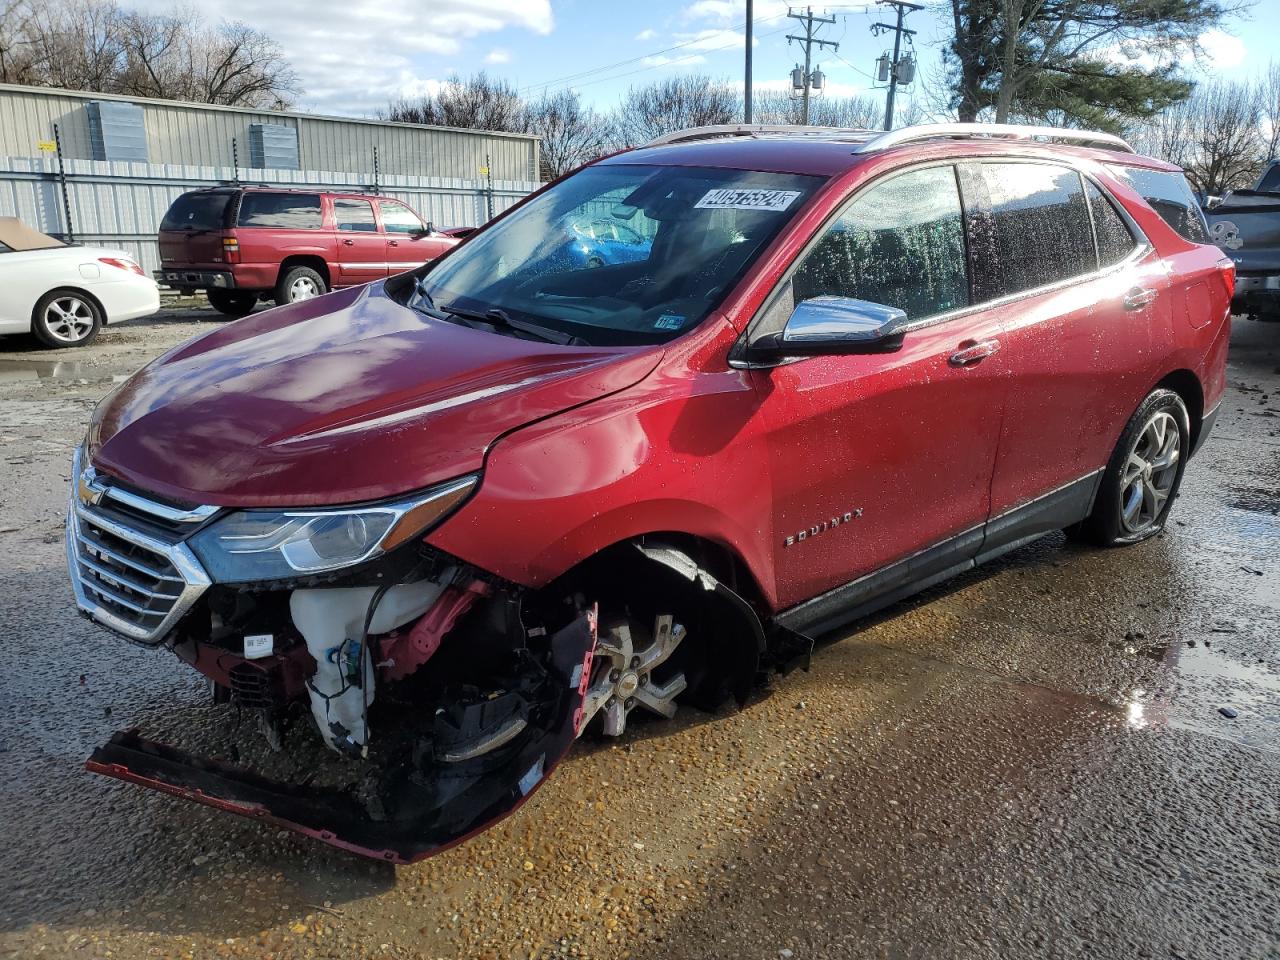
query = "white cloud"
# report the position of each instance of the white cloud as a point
(1220, 51)
(715, 39)
(681, 61)
(498, 56)
(353, 63)
(646, 35)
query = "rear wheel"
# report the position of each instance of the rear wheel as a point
(299, 283)
(233, 303)
(65, 318)
(1143, 476)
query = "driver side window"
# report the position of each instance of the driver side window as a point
(900, 243)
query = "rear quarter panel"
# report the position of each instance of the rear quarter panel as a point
(1196, 321)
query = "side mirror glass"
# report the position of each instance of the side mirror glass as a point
(832, 326)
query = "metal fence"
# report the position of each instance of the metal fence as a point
(119, 204)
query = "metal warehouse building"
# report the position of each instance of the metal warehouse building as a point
(95, 126)
(123, 160)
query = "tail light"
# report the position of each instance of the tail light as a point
(230, 249)
(1227, 274)
(120, 263)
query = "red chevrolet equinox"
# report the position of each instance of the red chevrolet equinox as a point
(432, 529)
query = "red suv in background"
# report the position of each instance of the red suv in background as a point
(242, 244)
(459, 516)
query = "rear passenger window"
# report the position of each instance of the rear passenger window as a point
(355, 215)
(285, 211)
(900, 244)
(1170, 196)
(1032, 230)
(1115, 241)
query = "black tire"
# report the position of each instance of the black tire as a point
(1128, 508)
(232, 303)
(296, 281)
(66, 318)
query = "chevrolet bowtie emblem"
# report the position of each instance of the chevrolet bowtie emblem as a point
(87, 490)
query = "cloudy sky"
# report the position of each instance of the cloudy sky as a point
(355, 55)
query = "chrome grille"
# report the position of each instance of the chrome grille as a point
(136, 582)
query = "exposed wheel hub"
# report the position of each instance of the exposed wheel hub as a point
(623, 675)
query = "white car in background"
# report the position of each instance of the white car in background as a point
(64, 294)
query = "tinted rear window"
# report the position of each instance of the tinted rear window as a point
(285, 211)
(1115, 241)
(197, 211)
(1169, 196)
(1271, 182)
(1032, 228)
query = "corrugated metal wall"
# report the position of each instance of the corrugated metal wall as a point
(120, 204)
(195, 134)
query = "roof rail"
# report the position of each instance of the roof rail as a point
(751, 129)
(1011, 131)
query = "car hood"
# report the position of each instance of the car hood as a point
(340, 399)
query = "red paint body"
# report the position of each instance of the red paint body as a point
(343, 258)
(354, 397)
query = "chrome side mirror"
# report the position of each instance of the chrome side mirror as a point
(831, 326)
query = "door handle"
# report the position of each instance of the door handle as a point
(1138, 297)
(394, 243)
(349, 242)
(972, 353)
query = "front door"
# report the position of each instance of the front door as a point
(362, 248)
(881, 458)
(409, 243)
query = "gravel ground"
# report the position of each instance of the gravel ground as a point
(1027, 762)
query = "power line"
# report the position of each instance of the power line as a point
(656, 66)
(569, 78)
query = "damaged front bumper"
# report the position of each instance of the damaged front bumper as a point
(466, 730)
(433, 800)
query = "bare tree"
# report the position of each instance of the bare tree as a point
(480, 102)
(1216, 136)
(96, 45)
(674, 104)
(1269, 110)
(862, 112)
(571, 133)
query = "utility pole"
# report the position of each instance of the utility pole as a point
(746, 83)
(808, 77)
(898, 69)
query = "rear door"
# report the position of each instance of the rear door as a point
(191, 230)
(362, 247)
(1079, 312)
(881, 463)
(409, 243)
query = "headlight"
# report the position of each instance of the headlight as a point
(252, 545)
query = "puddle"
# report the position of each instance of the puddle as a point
(17, 371)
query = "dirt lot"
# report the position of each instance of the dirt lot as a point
(1027, 762)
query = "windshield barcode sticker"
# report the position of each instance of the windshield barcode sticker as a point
(729, 199)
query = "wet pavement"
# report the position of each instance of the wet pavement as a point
(1029, 761)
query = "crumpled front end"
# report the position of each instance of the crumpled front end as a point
(441, 696)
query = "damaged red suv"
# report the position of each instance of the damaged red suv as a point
(434, 528)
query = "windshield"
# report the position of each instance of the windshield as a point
(197, 211)
(621, 254)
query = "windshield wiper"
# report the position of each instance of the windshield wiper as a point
(497, 317)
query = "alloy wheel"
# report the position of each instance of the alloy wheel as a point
(69, 319)
(1149, 473)
(303, 288)
(622, 677)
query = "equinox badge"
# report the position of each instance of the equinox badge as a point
(822, 527)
